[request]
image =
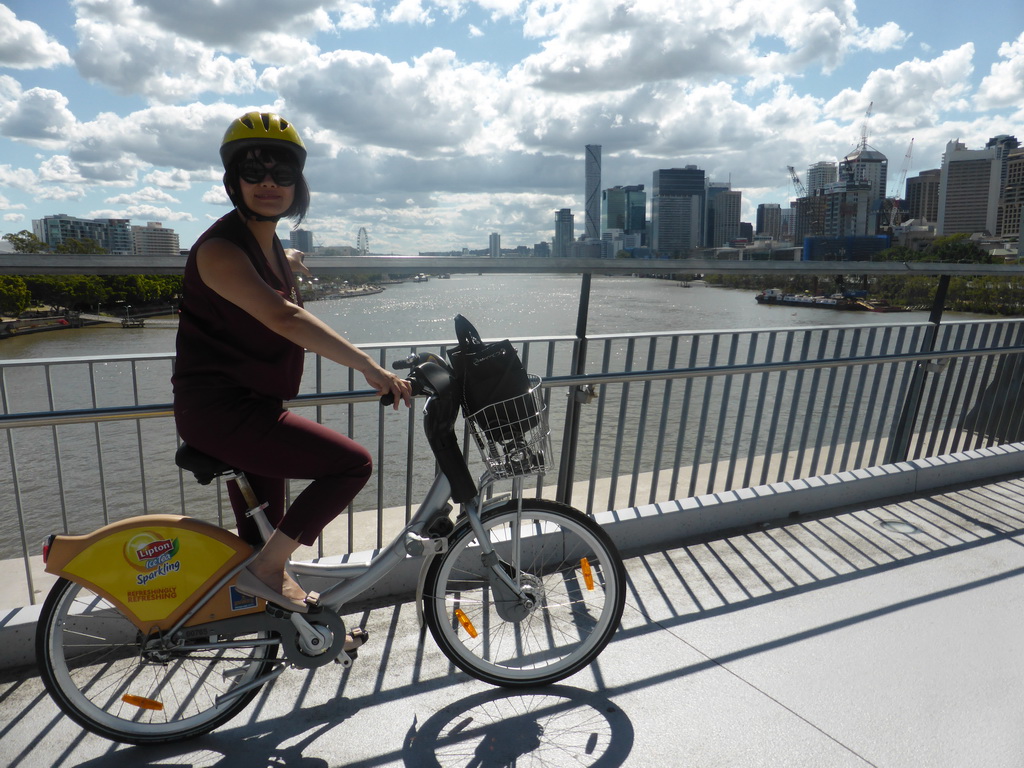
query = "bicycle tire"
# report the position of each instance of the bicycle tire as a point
(574, 616)
(92, 662)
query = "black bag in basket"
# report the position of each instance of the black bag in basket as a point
(492, 373)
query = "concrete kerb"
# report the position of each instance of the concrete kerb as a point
(662, 524)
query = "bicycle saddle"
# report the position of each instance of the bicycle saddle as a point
(202, 465)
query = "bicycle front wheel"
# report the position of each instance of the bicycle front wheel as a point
(568, 602)
(103, 675)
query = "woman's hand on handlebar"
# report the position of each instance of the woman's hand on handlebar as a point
(389, 385)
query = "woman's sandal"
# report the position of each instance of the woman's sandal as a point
(357, 638)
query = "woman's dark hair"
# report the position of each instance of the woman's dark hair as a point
(267, 154)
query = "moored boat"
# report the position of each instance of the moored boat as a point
(856, 301)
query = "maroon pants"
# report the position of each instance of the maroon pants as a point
(271, 445)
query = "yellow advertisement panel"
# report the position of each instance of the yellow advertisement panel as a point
(151, 569)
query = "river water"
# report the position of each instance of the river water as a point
(514, 306)
(499, 305)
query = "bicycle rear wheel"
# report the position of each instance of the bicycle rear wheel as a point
(574, 582)
(94, 663)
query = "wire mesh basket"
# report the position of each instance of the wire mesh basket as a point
(513, 435)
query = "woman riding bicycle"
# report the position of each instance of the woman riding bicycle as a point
(241, 341)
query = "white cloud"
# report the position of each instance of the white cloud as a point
(20, 179)
(170, 179)
(144, 195)
(24, 45)
(475, 31)
(603, 45)
(409, 12)
(216, 196)
(141, 213)
(915, 92)
(40, 116)
(1004, 85)
(135, 56)
(355, 16)
(433, 104)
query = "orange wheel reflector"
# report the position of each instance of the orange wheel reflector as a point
(588, 574)
(465, 622)
(142, 702)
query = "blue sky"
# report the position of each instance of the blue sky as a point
(433, 123)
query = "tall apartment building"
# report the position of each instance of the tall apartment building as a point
(494, 245)
(850, 209)
(592, 204)
(820, 175)
(1009, 214)
(155, 240)
(113, 235)
(561, 244)
(677, 210)
(769, 220)
(921, 199)
(302, 239)
(865, 173)
(723, 216)
(970, 186)
(624, 208)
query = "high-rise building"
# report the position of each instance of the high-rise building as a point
(624, 208)
(865, 173)
(1009, 214)
(921, 199)
(847, 209)
(494, 245)
(723, 216)
(592, 207)
(561, 244)
(820, 175)
(769, 220)
(677, 210)
(113, 235)
(970, 186)
(302, 239)
(155, 240)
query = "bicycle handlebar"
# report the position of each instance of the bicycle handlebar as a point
(413, 362)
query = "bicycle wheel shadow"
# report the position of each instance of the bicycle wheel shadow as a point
(243, 745)
(553, 726)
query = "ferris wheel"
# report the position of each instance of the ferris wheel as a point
(363, 242)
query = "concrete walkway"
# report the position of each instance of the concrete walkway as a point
(876, 635)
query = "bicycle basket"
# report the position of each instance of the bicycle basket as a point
(513, 435)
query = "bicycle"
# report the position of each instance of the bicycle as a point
(145, 639)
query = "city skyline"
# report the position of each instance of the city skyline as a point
(434, 124)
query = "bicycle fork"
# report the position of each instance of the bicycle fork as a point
(514, 599)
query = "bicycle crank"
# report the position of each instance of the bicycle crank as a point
(313, 639)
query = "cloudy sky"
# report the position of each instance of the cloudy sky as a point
(433, 123)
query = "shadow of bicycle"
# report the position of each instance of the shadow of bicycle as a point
(553, 726)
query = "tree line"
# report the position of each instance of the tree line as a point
(990, 295)
(63, 293)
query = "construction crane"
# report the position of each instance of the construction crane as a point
(797, 184)
(896, 213)
(864, 127)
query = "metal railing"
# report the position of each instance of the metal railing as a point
(673, 415)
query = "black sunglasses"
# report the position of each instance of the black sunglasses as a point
(253, 172)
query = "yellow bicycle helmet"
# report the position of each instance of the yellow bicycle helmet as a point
(259, 129)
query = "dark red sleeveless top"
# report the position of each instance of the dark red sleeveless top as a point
(220, 345)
